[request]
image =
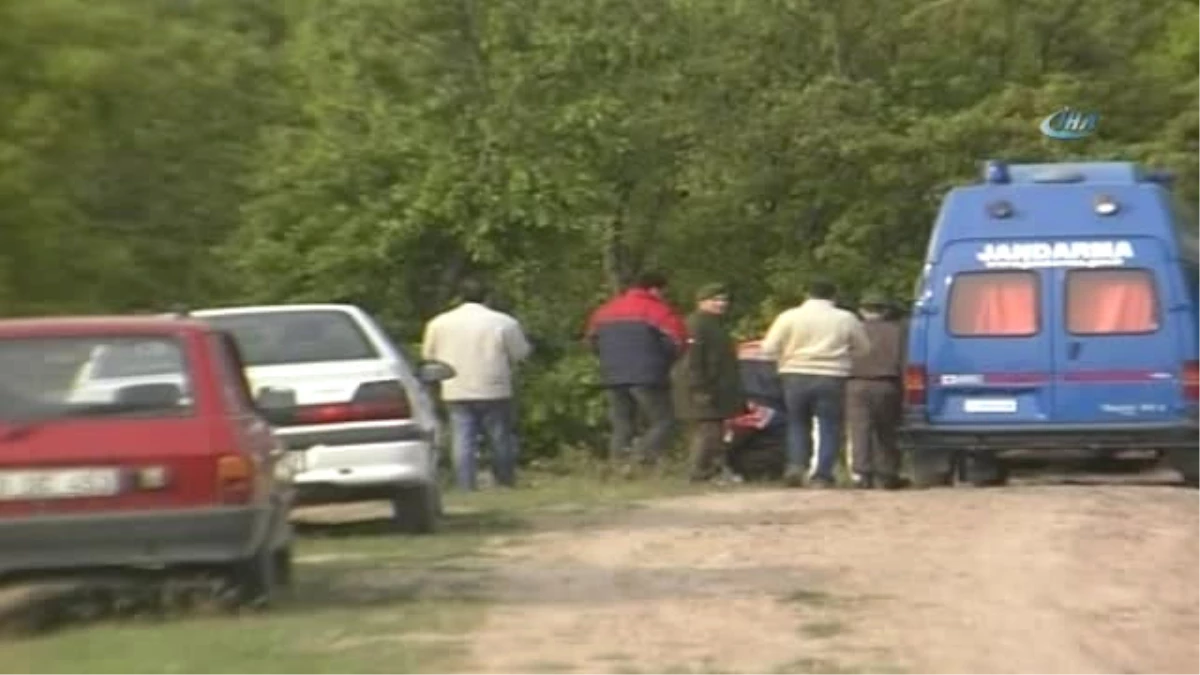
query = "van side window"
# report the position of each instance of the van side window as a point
(1111, 302)
(994, 304)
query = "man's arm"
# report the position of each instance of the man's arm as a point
(772, 343)
(902, 326)
(696, 357)
(860, 344)
(515, 342)
(429, 341)
(672, 328)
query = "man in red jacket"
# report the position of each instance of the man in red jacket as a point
(638, 337)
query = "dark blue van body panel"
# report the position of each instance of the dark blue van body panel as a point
(1052, 387)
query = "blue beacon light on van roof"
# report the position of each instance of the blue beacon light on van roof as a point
(995, 171)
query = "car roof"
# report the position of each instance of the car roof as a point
(98, 325)
(274, 309)
(1057, 200)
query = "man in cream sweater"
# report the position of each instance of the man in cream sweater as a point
(814, 345)
(483, 346)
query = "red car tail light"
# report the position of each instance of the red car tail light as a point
(235, 479)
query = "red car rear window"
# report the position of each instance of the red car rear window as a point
(93, 376)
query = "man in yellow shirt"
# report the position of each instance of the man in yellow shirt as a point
(814, 345)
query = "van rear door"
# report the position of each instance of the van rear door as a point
(989, 361)
(1117, 352)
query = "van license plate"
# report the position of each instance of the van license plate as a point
(990, 405)
(60, 484)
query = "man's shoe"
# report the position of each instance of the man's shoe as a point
(822, 484)
(794, 477)
(729, 477)
(893, 483)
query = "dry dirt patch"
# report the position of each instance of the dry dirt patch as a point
(1050, 578)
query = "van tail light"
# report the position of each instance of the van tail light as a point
(380, 400)
(914, 385)
(1191, 381)
(235, 479)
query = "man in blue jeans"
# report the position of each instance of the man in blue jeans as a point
(815, 344)
(483, 346)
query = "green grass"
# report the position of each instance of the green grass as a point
(365, 600)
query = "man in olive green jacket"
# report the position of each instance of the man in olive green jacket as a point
(708, 387)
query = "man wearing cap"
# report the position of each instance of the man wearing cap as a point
(873, 397)
(708, 387)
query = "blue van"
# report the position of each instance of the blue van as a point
(1056, 311)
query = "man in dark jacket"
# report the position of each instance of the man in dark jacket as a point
(638, 338)
(873, 405)
(708, 387)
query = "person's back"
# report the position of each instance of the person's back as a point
(481, 344)
(885, 359)
(816, 338)
(637, 338)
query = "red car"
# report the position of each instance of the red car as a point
(170, 468)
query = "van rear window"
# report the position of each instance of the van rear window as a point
(1111, 302)
(994, 304)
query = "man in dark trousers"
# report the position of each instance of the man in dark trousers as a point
(873, 397)
(708, 387)
(638, 338)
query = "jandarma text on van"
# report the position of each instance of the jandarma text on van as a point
(1057, 253)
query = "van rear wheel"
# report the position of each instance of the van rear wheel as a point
(984, 470)
(932, 468)
(1187, 463)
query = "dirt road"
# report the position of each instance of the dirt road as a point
(1054, 578)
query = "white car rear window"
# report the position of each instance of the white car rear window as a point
(311, 336)
(137, 359)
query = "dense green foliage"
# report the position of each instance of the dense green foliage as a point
(375, 151)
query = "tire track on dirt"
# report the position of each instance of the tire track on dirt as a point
(1052, 578)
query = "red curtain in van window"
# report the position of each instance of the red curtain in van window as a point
(1111, 301)
(995, 304)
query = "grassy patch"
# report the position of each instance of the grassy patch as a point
(365, 600)
(806, 665)
(806, 596)
(675, 670)
(823, 629)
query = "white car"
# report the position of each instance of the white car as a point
(354, 413)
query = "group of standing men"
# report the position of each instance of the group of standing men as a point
(655, 365)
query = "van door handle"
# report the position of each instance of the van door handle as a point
(1073, 350)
